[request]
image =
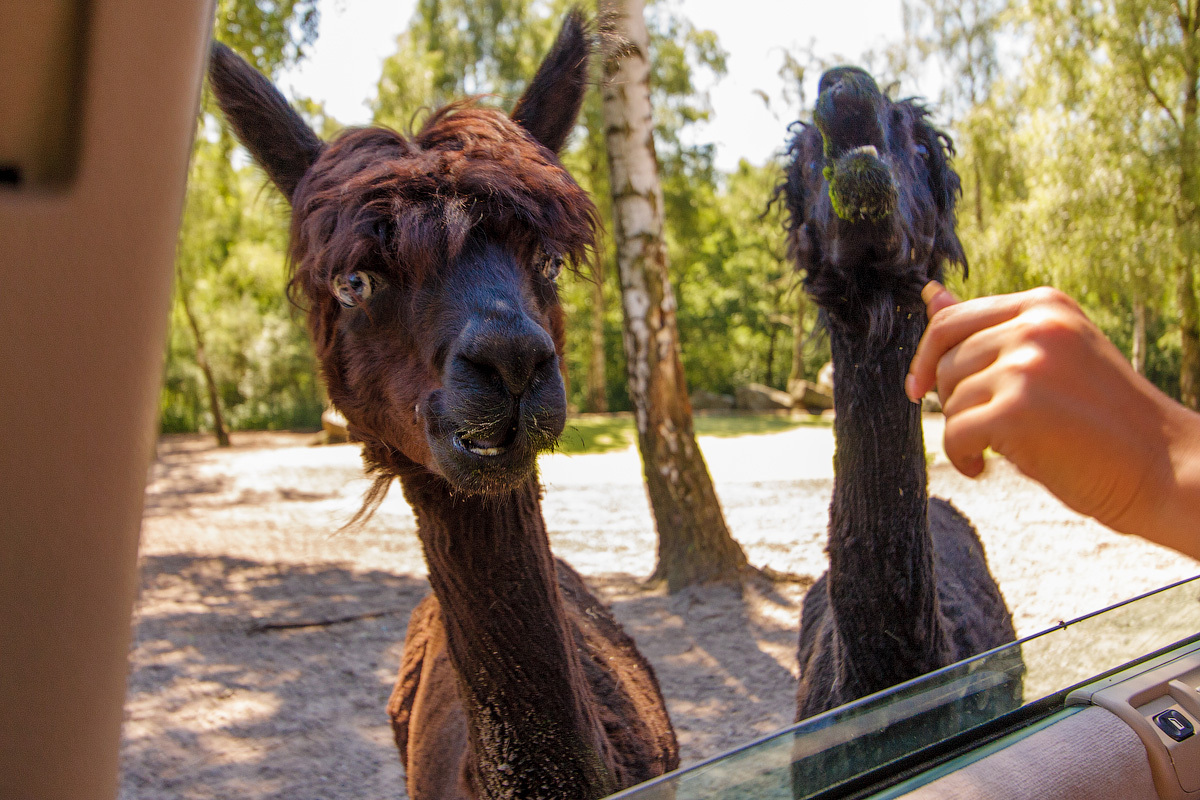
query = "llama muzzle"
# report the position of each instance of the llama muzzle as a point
(848, 116)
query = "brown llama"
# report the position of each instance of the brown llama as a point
(871, 204)
(428, 267)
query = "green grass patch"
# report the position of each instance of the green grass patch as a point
(752, 424)
(597, 434)
(604, 434)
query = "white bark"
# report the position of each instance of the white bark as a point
(637, 198)
(1139, 336)
(694, 542)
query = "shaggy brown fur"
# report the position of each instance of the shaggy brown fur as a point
(871, 200)
(427, 265)
(405, 208)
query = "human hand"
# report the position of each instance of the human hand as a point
(1031, 377)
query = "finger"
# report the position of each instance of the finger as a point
(936, 297)
(974, 390)
(968, 358)
(967, 435)
(949, 327)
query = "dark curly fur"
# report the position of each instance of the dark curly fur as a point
(860, 277)
(908, 589)
(427, 266)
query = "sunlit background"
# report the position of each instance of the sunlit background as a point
(1068, 120)
(357, 35)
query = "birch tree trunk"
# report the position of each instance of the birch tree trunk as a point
(1138, 356)
(694, 544)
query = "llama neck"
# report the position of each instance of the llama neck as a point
(532, 729)
(881, 577)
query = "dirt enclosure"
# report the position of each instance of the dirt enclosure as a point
(265, 643)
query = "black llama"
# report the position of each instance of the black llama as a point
(871, 205)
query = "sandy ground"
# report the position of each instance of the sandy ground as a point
(223, 703)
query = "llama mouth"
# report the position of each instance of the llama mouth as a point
(478, 448)
(489, 452)
(486, 448)
(865, 150)
(862, 187)
(482, 451)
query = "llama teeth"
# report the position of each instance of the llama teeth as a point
(475, 448)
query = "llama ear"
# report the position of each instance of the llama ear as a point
(280, 141)
(947, 188)
(795, 200)
(550, 105)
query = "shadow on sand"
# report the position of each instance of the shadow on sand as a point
(261, 680)
(218, 707)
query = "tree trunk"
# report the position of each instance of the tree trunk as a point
(1138, 357)
(977, 171)
(214, 402)
(596, 387)
(1189, 222)
(694, 544)
(772, 335)
(797, 373)
(1189, 328)
(597, 380)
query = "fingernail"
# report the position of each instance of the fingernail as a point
(910, 387)
(930, 291)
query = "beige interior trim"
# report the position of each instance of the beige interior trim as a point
(1091, 755)
(1138, 698)
(85, 279)
(41, 50)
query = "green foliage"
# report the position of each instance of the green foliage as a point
(1075, 159)
(231, 322)
(268, 33)
(457, 48)
(732, 283)
(230, 265)
(603, 434)
(736, 293)
(735, 288)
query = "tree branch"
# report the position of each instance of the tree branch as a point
(1148, 85)
(260, 627)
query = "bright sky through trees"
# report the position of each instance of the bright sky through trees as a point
(1069, 121)
(356, 35)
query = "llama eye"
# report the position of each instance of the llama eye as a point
(922, 151)
(353, 288)
(551, 267)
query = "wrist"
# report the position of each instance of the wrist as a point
(1174, 518)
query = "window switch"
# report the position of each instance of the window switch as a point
(1174, 724)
